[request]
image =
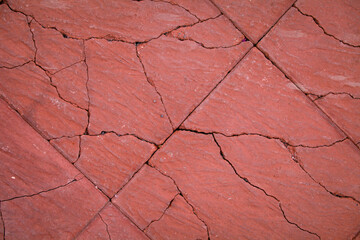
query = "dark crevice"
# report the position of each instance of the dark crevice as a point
(107, 227)
(317, 97)
(186, 200)
(86, 132)
(153, 85)
(3, 221)
(356, 235)
(79, 154)
(17, 66)
(163, 213)
(317, 22)
(259, 188)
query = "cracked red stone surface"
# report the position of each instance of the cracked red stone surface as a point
(166, 119)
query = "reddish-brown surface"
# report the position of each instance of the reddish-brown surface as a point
(179, 119)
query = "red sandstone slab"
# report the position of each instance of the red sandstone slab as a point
(184, 72)
(338, 17)
(146, 196)
(255, 18)
(257, 98)
(110, 161)
(71, 84)
(56, 214)
(68, 147)
(202, 9)
(336, 167)
(318, 63)
(110, 223)
(178, 222)
(28, 89)
(218, 32)
(29, 164)
(121, 98)
(54, 52)
(344, 111)
(231, 208)
(267, 163)
(17, 46)
(134, 21)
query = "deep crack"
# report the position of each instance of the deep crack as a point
(107, 227)
(332, 93)
(87, 88)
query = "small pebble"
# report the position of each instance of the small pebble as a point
(161, 115)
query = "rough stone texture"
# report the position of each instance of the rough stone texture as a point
(183, 81)
(111, 224)
(202, 9)
(2, 230)
(218, 32)
(54, 52)
(178, 222)
(337, 17)
(342, 172)
(110, 161)
(244, 103)
(121, 98)
(71, 84)
(68, 147)
(254, 18)
(27, 160)
(146, 196)
(17, 46)
(303, 200)
(318, 63)
(231, 208)
(344, 111)
(134, 21)
(57, 214)
(28, 89)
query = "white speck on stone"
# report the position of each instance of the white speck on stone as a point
(13, 177)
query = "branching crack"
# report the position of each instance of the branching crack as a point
(251, 184)
(107, 227)
(332, 93)
(323, 29)
(20, 65)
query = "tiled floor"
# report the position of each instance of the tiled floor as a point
(180, 119)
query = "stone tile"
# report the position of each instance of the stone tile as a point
(146, 196)
(218, 32)
(55, 52)
(257, 98)
(17, 46)
(336, 167)
(255, 18)
(183, 81)
(68, 147)
(56, 214)
(28, 89)
(121, 98)
(29, 164)
(338, 18)
(110, 161)
(110, 223)
(344, 111)
(178, 222)
(231, 208)
(267, 163)
(318, 63)
(134, 21)
(71, 84)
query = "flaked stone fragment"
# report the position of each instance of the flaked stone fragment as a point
(110, 223)
(122, 100)
(110, 161)
(267, 163)
(17, 46)
(68, 147)
(257, 98)
(255, 18)
(184, 72)
(146, 196)
(178, 222)
(231, 208)
(316, 62)
(28, 90)
(134, 21)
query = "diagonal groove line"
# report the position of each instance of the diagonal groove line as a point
(323, 29)
(175, 4)
(107, 227)
(186, 200)
(251, 184)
